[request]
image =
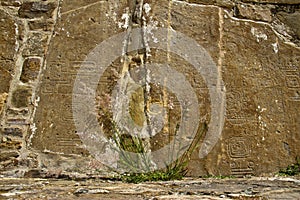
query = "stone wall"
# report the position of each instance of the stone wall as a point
(252, 107)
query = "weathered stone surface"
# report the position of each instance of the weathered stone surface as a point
(9, 144)
(262, 104)
(10, 2)
(30, 69)
(36, 44)
(16, 132)
(223, 3)
(254, 12)
(3, 97)
(21, 97)
(63, 61)
(273, 1)
(292, 20)
(8, 47)
(192, 189)
(36, 9)
(40, 25)
(259, 71)
(7, 155)
(7, 37)
(6, 73)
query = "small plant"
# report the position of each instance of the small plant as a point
(291, 170)
(174, 171)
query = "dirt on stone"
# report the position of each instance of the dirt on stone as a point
(188, 188)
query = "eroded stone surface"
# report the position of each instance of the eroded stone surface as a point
(208, 189)
(8, 49)
(36, 9)
(254, 46)
(21, 97)
(31, 68)
(260, 74)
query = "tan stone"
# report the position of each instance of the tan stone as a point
(37, 9)
(8, 48)
(77, 33)
(30, 69)
(273, 1)
(260, 13)
(21, 97)
(36, 44)
(259, 71)
(3, 97)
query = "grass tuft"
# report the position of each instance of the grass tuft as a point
(175, 171)
(291, 170)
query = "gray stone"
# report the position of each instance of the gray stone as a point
(291, 20)
(17, 132)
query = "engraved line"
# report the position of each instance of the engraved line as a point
(83, 7)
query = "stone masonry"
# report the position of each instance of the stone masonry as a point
(254, 45)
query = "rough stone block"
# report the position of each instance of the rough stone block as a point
(255, 12)
(40, 25)
(273, 1)
(11, 3)
(30, 69)
(3, 97)
(8, 48)
(16, 132)
(9, 144)
(291, 20)
(8, 155)
(36, 9)
(21, 97)
(36, 45)
(7, 37)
